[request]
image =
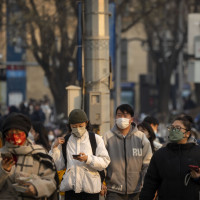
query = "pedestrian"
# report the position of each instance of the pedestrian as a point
(130, 154)
(47, 111)
(189, 103)
(172, 168)
(81, 180)
(148, 131)
(38, 114)
(154, 125)
(51, 135)
(23, 109)
(26, 170)
(39, 134)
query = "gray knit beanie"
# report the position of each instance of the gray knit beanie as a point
(77, 116)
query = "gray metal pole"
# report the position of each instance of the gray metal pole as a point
(96, 47)
(118, 65)
(180, 60)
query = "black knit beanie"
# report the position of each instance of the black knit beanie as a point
(77, 116)
(16, 121)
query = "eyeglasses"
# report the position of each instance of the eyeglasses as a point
(175, 128)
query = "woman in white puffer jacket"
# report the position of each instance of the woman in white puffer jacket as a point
(82, 179)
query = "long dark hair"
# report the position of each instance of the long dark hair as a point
(146, 126)
(43, 135)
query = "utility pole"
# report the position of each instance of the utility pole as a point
(118, 64)
(180, 59)
(96, 57)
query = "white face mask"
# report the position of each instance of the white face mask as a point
(31, 137)
(122, 123)
(79, 132)
(155, 131)
(51, 137)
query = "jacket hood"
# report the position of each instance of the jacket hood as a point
(116, 131)
(191, 139)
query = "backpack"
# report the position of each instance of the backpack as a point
(93, 145)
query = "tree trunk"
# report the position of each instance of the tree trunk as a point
(61, 104)
(60, 98)
(164, 94)
(57, 86)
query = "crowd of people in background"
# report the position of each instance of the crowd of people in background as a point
(132, 161)
(37, 110)
(42, 115)
(43, 111)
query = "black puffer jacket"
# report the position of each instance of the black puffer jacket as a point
(167, 171)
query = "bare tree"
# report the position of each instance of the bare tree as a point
(51, 36)
(165, 40)
(165, 24)
(166, 30)
(195, 6)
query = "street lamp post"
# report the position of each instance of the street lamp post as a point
(96, 57)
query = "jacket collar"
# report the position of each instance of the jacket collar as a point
(175, 146)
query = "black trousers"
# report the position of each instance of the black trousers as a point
(71, 195)
(117, 196)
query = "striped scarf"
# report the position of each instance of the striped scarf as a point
(29, 159)
(25, 157)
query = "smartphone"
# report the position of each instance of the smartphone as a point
(7, 155)
(75, 155)
(194, 167)
(20, 188)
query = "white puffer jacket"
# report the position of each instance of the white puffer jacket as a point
(81, 176)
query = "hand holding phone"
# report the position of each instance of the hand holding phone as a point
(7, 156)
(25, 188)
(194, 167)
(7, 161)
(20, 188)
(82, 157)
(75, 155)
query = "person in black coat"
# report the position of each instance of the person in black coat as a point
(37, 115)
(169, 172)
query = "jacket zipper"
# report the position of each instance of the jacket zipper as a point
(125, 165)
(180, 166)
